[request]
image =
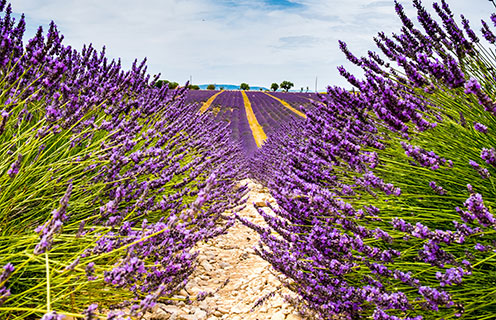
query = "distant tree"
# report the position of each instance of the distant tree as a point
(211, 87)
(274, 87)
(286, 85)
(301, 90)
(260, 89)
(193, 87)
(221, 88)
(244, 86)
(161, 83)
(308, 88)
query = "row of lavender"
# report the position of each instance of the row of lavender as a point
(107, 182)
(228, 106)
(385, 198)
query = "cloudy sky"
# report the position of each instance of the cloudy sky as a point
(230, 41)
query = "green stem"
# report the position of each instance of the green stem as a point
(48, 281)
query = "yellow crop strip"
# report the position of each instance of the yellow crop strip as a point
(207, 103)
(255, 127)
(284, 103)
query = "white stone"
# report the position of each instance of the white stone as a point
(279, 315)
(200, 314)
(206, 265)
(222, 310)
(170, 308)
(237, 309)
(293, 316)
(186, 317)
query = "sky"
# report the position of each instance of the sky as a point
(232, 41)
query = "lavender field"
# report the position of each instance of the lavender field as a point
(384, 191)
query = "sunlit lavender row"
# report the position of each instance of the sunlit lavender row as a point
(384, 193)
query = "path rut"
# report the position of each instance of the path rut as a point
(230, 257)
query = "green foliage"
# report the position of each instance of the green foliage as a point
(274, 86)
(244, 86)
(49, 164)
(455, 139)
(161, 83)
(286, 85)
(193, 87)
(211, 87)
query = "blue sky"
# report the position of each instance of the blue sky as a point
(231, 41)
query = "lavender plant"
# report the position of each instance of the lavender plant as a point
(107, 182)
(385, 206)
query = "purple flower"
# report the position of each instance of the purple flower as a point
(472, 86)
(90, 271)
(487, 33)
(89, 313)
(53, 226)
(53, 316)
(452, 276)
(483, 172)
(489, 155)
(8, 269)
(5, 117)
(435, 298)
(480, 127)
(477, 210)
(436, 188)
(480, 247)
(423, 157)
(14, 167)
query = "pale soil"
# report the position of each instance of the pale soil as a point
(231, 258)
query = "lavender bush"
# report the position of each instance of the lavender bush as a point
(108, 181)
(385, 200)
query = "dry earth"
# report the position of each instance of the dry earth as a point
(230, 258)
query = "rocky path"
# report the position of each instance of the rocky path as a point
(230, 258)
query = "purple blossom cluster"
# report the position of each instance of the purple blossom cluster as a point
(360, 231)
(483, 172)
(4, 276)
(489, 155)
(480, 127)
(162, 180)
(424, 158)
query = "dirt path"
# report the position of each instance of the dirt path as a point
(231, 257)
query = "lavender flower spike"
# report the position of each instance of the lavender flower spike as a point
(54, 225)
(480, 127)
(14, 167)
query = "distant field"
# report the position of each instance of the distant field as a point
(257, 116)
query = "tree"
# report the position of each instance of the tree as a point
(211, 87)
(274, 87)
(193, 87)
(161, 83)
(244, 86)
(286, 85)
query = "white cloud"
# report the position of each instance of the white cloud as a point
(229, 41)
